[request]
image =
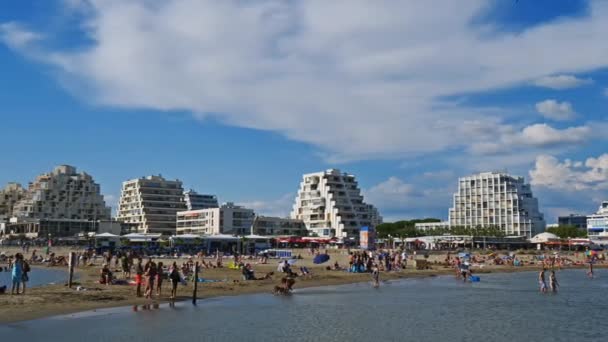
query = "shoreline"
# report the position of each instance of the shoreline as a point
(57, 300)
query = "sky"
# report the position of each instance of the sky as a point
(240, 98)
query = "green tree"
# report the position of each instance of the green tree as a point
(568, 231)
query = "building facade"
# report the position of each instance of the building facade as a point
(597, 224)
(268, 225)
(151, 203)
(9, 196)
(578, 221)
(330, 204)
(196, 201)
(63, 194)
(494, 199)
(227, 219)
(426, 226)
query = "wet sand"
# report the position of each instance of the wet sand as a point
(53, 300)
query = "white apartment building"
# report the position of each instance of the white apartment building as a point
(151, 203)
(196, 201)
(62, 194)
(597, 224)
(9, 196)
(426, 226)
(269, 225)
(227, 219)
(330, 204)
(494, 199)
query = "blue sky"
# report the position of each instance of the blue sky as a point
(240, 98)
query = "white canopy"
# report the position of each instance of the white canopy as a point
(106, 235)
(544, 237)
(186, 236)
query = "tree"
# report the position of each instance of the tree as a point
(568, 231)
(404, 228)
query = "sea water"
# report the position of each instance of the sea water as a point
(501, 307)
(37, 276)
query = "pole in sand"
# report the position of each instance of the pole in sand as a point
(195, 282)
(71, 269)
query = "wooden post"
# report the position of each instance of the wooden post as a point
(71, 269)
(195, 281)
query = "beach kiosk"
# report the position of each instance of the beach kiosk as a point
(367, 237)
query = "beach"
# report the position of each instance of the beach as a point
(57, 299)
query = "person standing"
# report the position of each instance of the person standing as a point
(17, 274)
(150, 273)
(24, 274)
(175, 278)
(541, 281)
(160, 273)
(376, 276)
(553, 282)
(139, 272)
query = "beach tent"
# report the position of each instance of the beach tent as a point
(321, 258)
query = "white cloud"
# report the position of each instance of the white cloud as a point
(17, 37)
(280, 207)
(552, 109)
(549, 172)
(319, 71)
(545, 135)
(501, 139)
(396, 199)
(561, 82)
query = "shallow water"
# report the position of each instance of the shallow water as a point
(502, 307)
(38, 276)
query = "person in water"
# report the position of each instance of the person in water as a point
(542, 282)
(590, 272)
(553, 282)
(376, 276)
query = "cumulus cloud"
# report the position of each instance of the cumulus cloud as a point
(505, 138)
(561, 82)
(397, 199)
(280, 207)
(555, 110)
(570, 175)
(317, 71)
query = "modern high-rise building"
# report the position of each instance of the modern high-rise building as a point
(196, 201)
(494, 199)
(151, 203)
(330, 204)
(227, 219)
(63, 194)
(9, 196)
(576, 220)
(597, 224)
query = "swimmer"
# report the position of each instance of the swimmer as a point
(542, 282)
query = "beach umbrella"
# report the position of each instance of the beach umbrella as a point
(321, 258)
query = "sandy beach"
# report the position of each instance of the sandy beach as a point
(52, 300)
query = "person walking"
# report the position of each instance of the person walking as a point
(553, 282)
(541, 281)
